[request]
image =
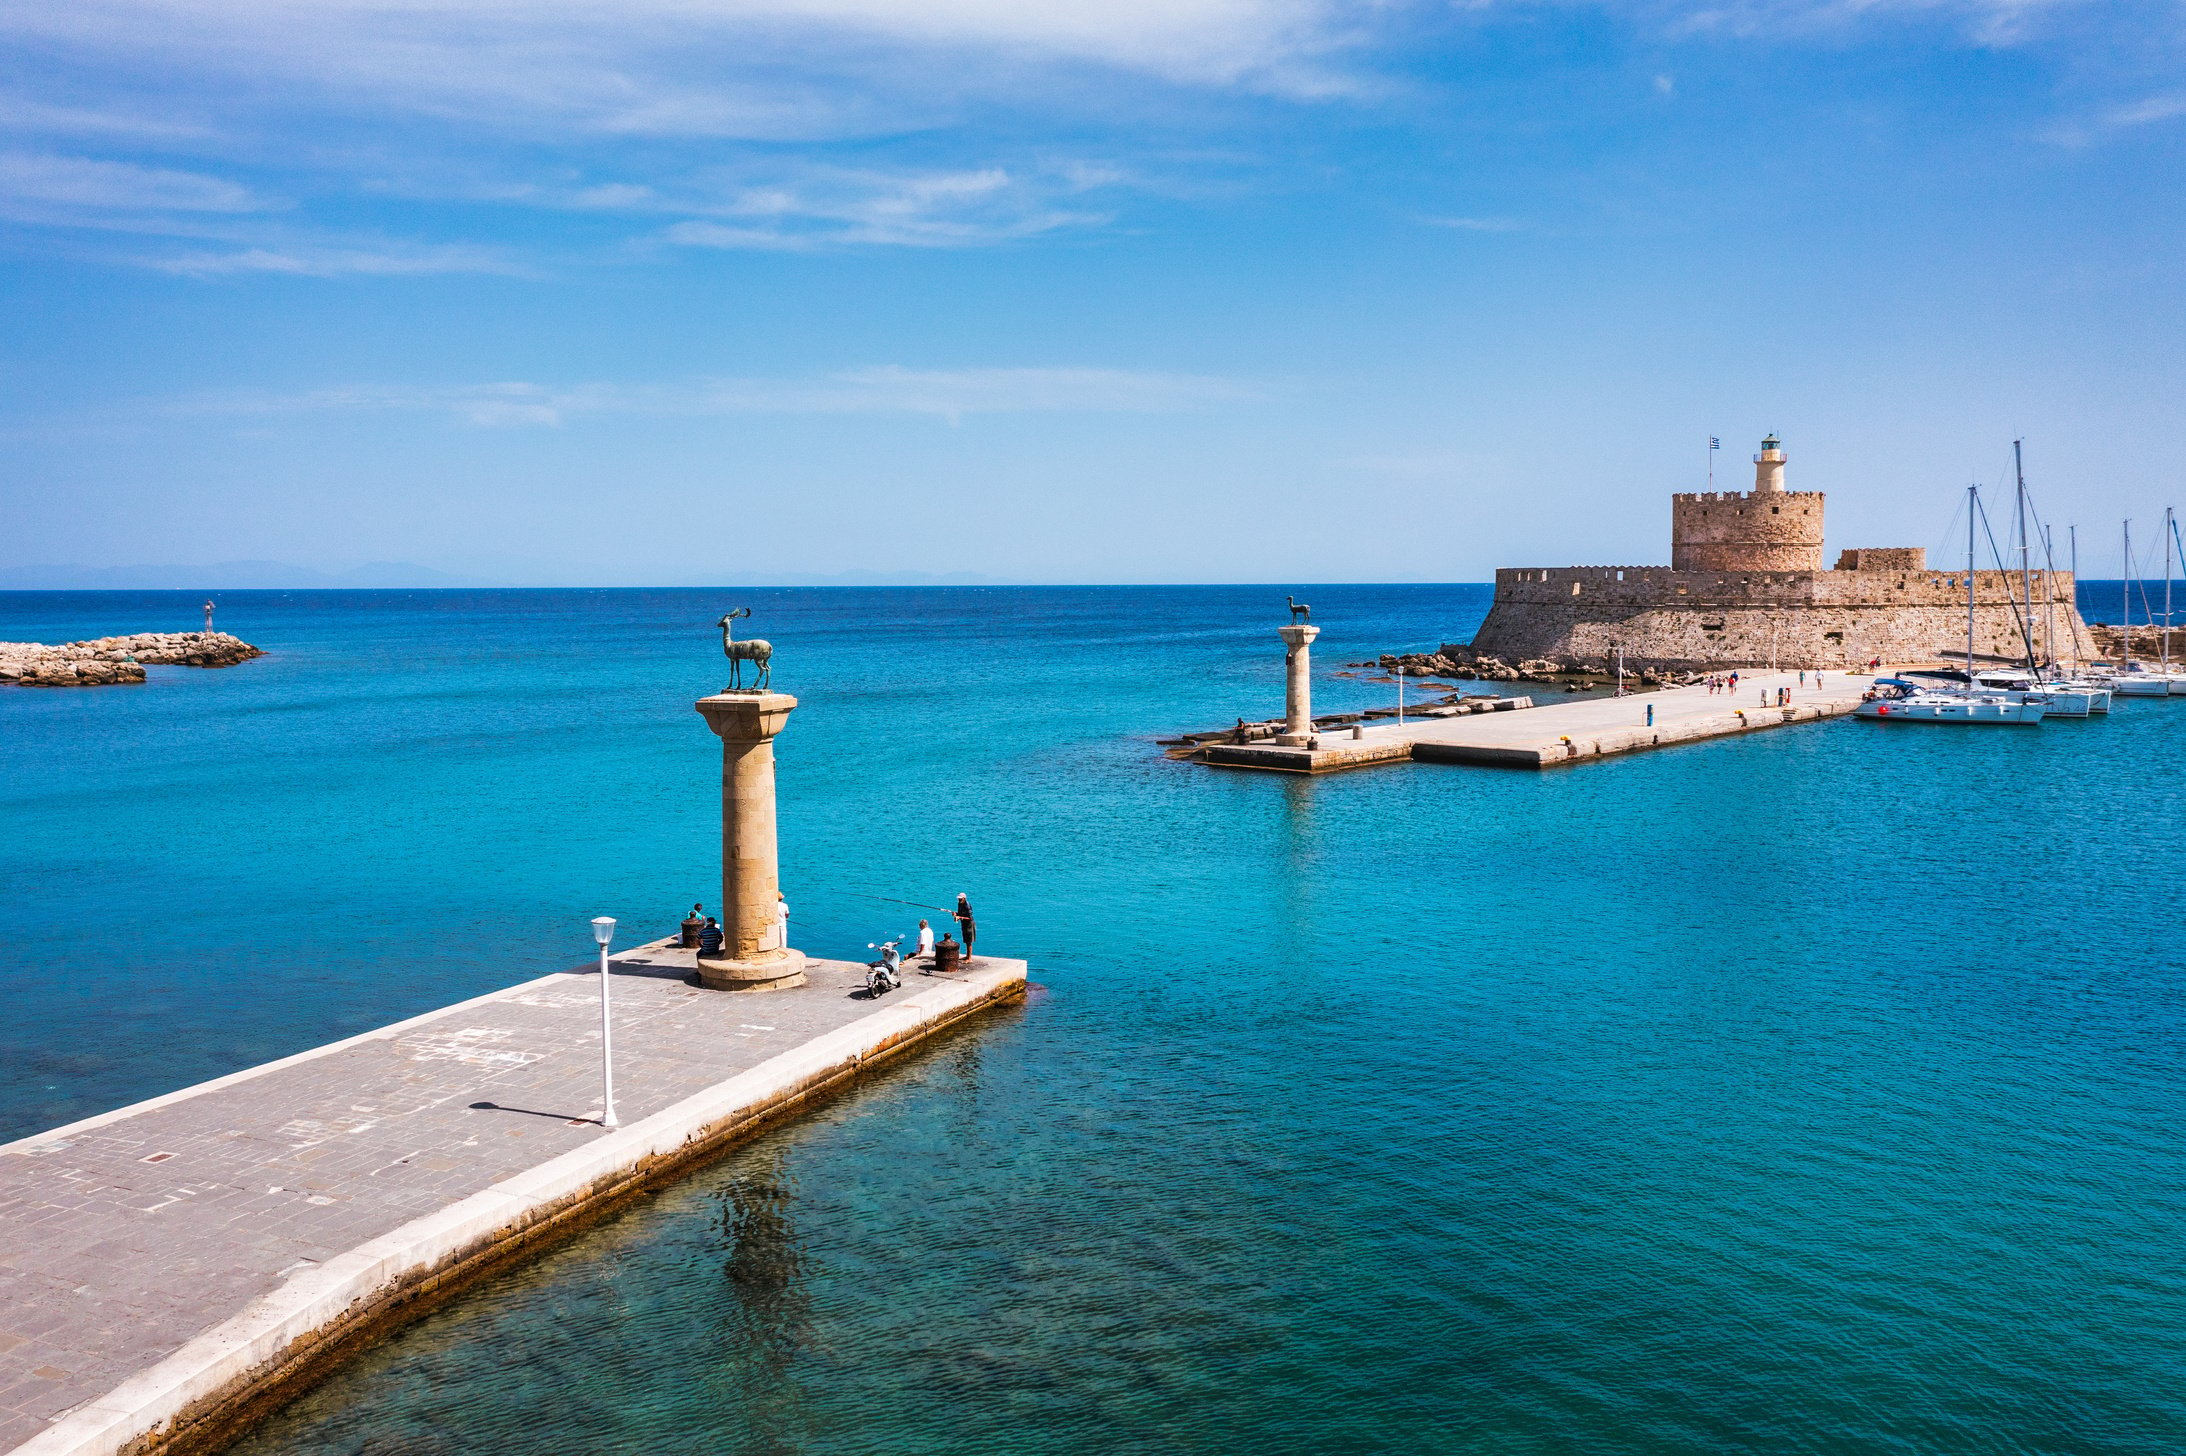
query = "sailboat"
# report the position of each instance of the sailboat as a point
(2129, 679)
(1898, 700)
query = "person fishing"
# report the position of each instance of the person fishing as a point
(963, 917)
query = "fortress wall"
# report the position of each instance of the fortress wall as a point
(1882, 558)
(1746, 531)
(1703, 620)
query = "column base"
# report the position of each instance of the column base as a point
(770, 970)
(1293, 740)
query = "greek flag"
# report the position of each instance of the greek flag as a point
(1714, 443)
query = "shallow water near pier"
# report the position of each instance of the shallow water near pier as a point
(1814, 1091)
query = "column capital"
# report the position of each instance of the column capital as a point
(1298, 634)
(746, 717)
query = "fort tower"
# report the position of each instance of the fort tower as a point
(1767, 529)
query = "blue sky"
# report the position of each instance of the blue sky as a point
(1272, 290)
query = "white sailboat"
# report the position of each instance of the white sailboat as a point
(2130, 679)
(1897, 700)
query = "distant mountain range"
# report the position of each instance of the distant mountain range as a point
(285, 575)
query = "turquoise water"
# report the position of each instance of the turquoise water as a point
(1814, 1092)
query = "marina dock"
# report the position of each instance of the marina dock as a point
(1560, 733)
(174, 1269)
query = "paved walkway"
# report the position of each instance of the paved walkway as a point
(1555, 732)
(124, 1237)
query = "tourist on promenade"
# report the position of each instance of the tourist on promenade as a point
(781, 920)
(709, 938)
(925, 940)
(963, 915)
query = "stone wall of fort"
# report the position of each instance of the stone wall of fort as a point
(1701, 620)
(1779, 530)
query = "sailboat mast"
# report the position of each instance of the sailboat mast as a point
(2049, 592)
(1973, 505)
(2125, 591)
(2166, 589)
(2026, 572)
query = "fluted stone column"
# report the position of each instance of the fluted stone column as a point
(750, 874)
(1298, 684)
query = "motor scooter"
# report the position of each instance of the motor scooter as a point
(883, 975)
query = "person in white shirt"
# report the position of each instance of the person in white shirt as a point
(925, 940)
(781, 920)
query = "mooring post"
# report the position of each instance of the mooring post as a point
(750, 871)
(1298, 684)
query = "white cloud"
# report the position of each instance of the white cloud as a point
(949, 394)
(46, 185)
(335, 261)
(1987, 22)
(938, 209)
(752, 68)
(2148, 112)
(1477, 224)
(26, 115)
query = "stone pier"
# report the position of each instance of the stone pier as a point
(752, 957)
(172, 1270)
(1298, 685)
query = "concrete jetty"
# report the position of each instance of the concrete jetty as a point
(172, 1270)
(1558, 734)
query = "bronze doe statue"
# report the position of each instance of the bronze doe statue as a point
(1299, 611)
(756, 650)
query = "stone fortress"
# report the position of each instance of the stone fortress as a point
(1746, 588)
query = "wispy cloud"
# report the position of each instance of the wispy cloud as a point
(950, 394)
(1478, 224)
(1987, 22)
(46, 186)
(940, 209)
(337, 261)
(670, 67)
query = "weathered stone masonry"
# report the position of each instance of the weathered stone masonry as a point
(1746, 588)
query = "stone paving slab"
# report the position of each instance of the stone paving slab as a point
(128, 1235)
(1554, 733)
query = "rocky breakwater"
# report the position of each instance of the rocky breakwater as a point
(1457, 661)
(117, 659)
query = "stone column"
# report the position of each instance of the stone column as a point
(750, 876)
(1298, 685)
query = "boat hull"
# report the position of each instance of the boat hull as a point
(1985, 711)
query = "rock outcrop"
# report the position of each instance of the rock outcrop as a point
(1457, 660)
(108, 660)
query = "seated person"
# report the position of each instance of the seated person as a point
(709, 938)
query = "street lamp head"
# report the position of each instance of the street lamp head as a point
(603, 928)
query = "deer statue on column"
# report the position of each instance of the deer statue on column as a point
(756, 650)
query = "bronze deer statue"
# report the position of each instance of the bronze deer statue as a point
(755, 650)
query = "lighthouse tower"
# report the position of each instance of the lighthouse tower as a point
(1768, 468)
(1766, 529)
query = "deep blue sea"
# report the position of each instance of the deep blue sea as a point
(1820, 1091)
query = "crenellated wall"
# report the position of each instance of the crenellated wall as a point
(1701, 620)
(1746, 531)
